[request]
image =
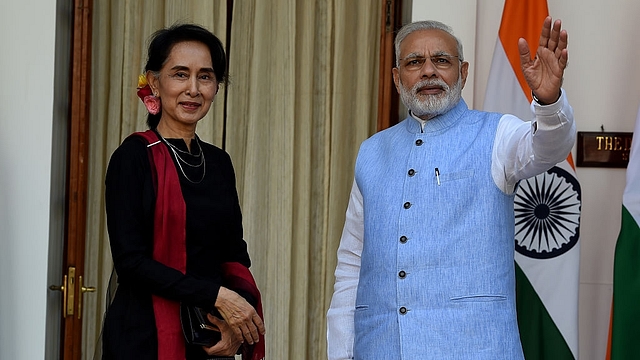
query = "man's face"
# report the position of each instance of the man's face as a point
(430, 76)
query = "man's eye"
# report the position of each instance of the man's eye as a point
(415, 62)
(440, 60)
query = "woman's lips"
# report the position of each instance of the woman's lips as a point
(190, 105)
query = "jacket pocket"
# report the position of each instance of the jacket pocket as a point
(479, 298)
(458, 175)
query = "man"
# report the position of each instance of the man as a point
(426, 259)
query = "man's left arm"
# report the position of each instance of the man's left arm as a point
(526, 149)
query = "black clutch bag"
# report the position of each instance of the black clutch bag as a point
(196, 327)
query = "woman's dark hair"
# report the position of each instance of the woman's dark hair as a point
(163, 41)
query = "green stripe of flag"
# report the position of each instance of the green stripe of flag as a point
(539, 335)
(625, 343)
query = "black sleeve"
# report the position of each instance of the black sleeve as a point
(235, 250)
(130, 201)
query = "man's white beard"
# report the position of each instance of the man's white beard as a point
(431, 105)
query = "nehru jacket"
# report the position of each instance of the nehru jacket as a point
(426, 260)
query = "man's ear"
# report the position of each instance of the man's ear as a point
(396, 78)
(464, 72)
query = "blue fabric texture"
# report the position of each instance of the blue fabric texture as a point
(437, 275)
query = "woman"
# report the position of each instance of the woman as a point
(173, 214)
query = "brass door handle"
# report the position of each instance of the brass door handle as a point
(68, 289)
(62, 288)
(88, 289)
(83, 290)
(57, 287)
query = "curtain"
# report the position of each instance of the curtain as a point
(307, 97)
(302, 96)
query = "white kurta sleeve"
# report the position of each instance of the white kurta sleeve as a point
(525, 149)
(340, 328)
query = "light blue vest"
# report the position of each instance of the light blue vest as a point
(437, 277)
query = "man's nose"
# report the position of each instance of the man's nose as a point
(428, 69)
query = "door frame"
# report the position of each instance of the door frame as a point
(388, 98)
(70, 285)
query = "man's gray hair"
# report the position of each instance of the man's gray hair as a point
(424, 25)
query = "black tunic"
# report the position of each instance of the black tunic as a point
(213, 236)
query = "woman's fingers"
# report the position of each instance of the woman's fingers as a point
(252, 328)
(229, 342)
(259, 323)
(240, 315)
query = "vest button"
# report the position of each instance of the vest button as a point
(411, 172)
(418, 142)
(403, 310)
(402, 274)
(407, 205)
(403, 239)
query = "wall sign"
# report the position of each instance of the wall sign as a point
(604, 149)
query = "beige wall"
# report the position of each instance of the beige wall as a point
(27, 61)
(34, 97)
(603, 85)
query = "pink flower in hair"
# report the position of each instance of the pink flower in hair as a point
(151, 102)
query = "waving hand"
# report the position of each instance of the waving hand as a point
(544, 73)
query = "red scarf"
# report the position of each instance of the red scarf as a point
(169, 243)
(238, 277)
(169, 248)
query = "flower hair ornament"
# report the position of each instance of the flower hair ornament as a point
(151, 102)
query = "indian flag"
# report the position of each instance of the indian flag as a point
(625, 309)
(547, 207)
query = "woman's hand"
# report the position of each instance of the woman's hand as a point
(229, 342)
(239, 315)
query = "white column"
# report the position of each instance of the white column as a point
(29, 173)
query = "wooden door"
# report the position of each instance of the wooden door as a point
(388, 98)
(71, 286)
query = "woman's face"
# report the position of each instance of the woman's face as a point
(186, 84)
